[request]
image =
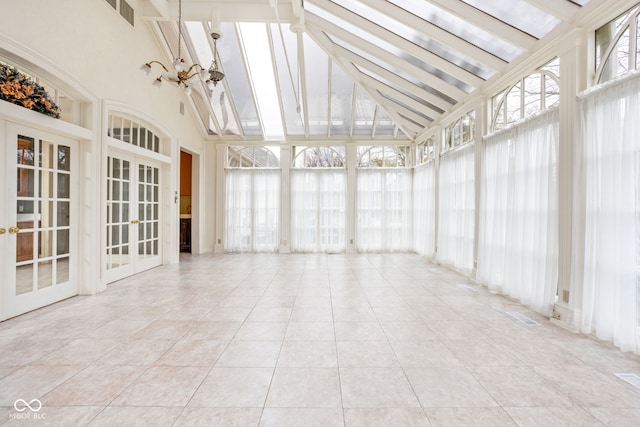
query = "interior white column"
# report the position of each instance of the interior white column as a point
(481, 130)
(285, 199)
(573, 80)
(352, 164)
(219, 196)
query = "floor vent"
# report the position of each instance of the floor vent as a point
(522, 318)
(467, 288)
(435, 270)
(632, 379)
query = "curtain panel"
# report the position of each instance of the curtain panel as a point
(424, 209)
(318, 210)
(518, 228)
(456, 207)
(252, 214)
(383, 210)
(608, 191)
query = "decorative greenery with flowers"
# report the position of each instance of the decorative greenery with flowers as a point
(20, 89)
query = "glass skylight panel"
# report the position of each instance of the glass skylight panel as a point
(392, 69)
(341, 101)
(460, 28)
(416, 37)
(399, 89)
(218, 98)
(520, 14)
(259, 61)
(293, 119)
(383, 125)
(405, 106)
(317, 76)
(385, 45)
(365, 109)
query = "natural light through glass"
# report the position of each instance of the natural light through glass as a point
(258, 54)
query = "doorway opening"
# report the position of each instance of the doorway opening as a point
(186, 168)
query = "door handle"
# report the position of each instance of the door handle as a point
(3, 230)
(14, 230)
(135, 221)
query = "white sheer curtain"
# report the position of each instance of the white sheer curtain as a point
(456, 208)
(318, 198)
(383, 221)
(424, 209)
(518, 235)
(252, 210)
(609, 166)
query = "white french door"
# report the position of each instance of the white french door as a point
(39, 219)
(133, 216)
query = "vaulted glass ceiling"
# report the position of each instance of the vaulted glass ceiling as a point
(353, 69)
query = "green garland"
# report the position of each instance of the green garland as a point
(19, 89)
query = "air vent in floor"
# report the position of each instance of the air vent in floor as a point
(522, 318)
(632, 379)
(467, 288)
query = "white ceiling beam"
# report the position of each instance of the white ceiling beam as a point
(400, 97)
(486, 22)
(392, 77)
(415, 119)
(463, 47)
(317, 23)
(400, 42)
(563, 9)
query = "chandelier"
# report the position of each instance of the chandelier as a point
(181, 74)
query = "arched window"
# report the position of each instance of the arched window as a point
(383, 156)
(618, 46)
(425, 151)
(253, 157)
(133, 132)
(460, 132)
(319, 157)
(537, 92)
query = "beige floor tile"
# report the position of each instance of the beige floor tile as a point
(353, 314)
(262, 331)
(233, 388)
(359, 331)
(250, 354)
(408, 331)
(95, 386)
(308, 354)
(623, 417)
(305, 388)
(165, 329)
(82, 351)
(211, 330)
(312, 315)
(136, 416)
(519, 386)
(553, 416)
(33, 382)
(228, 314)
(266, 314)
(190, 352)
(384, 417)
(448, 387)
(310, 331)
(419, 354)
(471, 417)
(162, 386)
(307, 417)
(136, 353)
(481, 353)
(63, 416)
(222, 417)
(366, 354)
(376, 387)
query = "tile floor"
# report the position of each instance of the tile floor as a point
(305, 340)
